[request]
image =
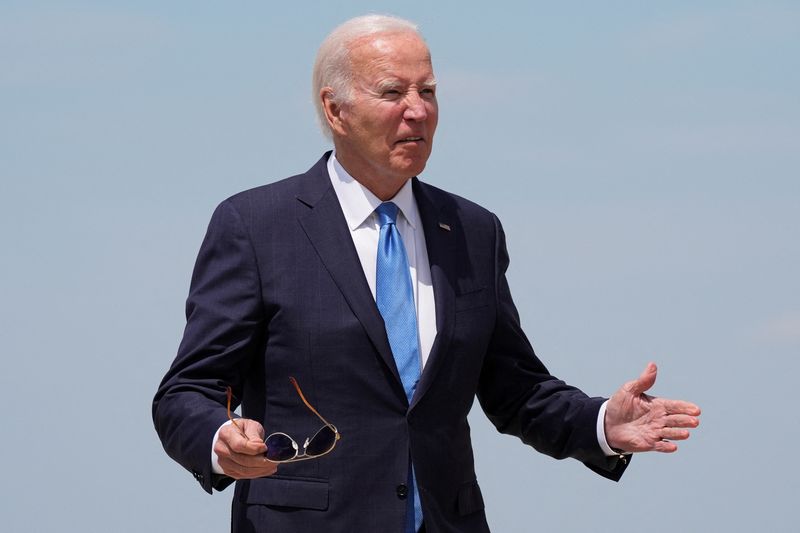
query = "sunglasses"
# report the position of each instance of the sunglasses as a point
(281, 448)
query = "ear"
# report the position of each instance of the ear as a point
(333, 111)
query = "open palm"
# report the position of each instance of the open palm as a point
(638, 422)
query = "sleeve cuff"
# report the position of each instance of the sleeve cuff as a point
(215, 468)
(601, 433)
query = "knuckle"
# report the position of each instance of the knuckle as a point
(219, 448)
(228, 468)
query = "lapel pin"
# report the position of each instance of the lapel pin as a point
(444, 226)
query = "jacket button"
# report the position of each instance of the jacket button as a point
(402, 491)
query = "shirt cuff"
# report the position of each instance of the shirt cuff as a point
(215, 468)
(601, 431)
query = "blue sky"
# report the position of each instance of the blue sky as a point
(643, 158)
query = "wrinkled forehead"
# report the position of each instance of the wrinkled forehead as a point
(371, 52)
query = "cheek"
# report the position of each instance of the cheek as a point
(433, 115)
(376, 129)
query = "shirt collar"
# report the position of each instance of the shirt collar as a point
(358, 202)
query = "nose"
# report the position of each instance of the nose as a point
(415, 107)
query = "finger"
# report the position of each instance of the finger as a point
(238, 442)
(226, 453)
(681, 421)
(665, 446)
(252, 447)
(233, 436)
(254, 430)
(255, 437)
(249, 461)
(241, 462)
(646, 380)
(674, 434)
(679, 407)
(235, 470)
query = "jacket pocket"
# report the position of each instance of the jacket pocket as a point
(470, 499)
(287, 492)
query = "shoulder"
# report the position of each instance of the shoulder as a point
(452, 204)
(280, 197)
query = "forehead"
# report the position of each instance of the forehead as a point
(390, 55)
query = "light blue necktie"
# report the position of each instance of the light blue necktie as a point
(395, 298)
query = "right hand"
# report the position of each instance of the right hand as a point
(240, 449)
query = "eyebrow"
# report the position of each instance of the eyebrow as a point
(390, 83)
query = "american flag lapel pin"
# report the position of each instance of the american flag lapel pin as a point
(444, 226)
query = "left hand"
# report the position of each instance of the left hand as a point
(637, 422)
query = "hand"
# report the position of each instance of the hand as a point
(240, 448)
(637, 422)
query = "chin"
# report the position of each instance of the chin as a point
(411, 168)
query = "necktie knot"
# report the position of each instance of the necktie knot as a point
(387, 213)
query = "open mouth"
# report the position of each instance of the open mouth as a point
(409, 140)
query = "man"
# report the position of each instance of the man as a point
(386, 300)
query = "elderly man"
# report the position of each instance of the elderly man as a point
(381, 303)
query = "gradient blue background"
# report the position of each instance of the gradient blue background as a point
(643, 157)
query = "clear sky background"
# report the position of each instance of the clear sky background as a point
(643, 157)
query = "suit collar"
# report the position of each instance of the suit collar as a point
(315, 183)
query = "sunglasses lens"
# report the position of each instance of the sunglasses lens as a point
(280, 447)
(322, 442)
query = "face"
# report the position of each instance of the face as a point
(383, 135)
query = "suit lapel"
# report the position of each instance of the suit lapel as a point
(441, 232)
(322, 219)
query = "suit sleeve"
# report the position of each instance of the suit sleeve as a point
(520, 397)
(224, 321)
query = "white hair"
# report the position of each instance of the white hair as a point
(332, 67)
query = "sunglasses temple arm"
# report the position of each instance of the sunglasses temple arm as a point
(300, 393)
(230, 396)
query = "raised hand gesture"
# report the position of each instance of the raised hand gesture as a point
(638, 422)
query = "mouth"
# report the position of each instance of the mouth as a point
(409, 140)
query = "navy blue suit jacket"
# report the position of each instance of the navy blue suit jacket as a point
(278, 291)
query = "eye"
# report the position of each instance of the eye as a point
(391, 93)
(428, 93)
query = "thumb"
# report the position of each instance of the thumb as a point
(645, 381)
(254, 432)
